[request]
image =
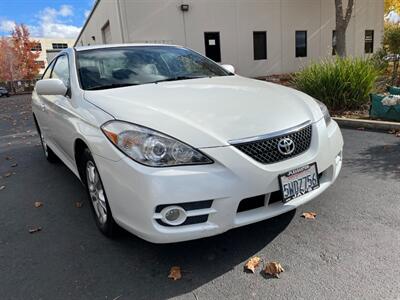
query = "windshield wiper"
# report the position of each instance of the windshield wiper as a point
(176, 78)
(110, 86)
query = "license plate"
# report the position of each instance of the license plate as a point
(298, 182)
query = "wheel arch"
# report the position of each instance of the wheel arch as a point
(79, 147)
(36, 122)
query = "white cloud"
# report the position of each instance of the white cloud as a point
(56, 30)
(7, 25)
(53, 23)
(66, 11)
(393, 17)
(87, 13)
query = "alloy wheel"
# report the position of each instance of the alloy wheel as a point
(96, 192)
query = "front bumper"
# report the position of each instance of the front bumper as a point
(134, 191)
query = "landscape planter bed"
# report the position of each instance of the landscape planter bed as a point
(382, 111)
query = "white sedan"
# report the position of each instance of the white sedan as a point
(172, 146)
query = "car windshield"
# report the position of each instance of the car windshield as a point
(116, 67)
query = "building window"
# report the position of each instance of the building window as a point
(334, 51)
(37, 47)
(59, 45)
(106, 33)
(301, 43)
(369, 41)
(40, 63)
(260, 45)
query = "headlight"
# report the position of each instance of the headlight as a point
(325, 112)
(150, 147)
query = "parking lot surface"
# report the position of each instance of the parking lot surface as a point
(350, 251)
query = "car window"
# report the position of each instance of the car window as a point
(61, 70)
(114, 67)
(47, 73)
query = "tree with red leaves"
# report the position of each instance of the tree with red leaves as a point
(17, 60)
(7, 62)
(22, 49)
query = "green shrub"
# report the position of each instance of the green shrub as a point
(378, 60)
(342, 83)
(391, 38)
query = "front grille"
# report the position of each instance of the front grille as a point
(266, 151)
(251, 203)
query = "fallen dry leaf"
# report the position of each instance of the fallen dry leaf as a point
(2, 187)
(309, 215)
(386, 147)
(252, 264)
(273, 269)
(398, 134)
(8, 158)
(392, 131)
(14, 165)
(7, 174)
(175, 273)
(38, 204)
(35, 229)
(78, 204)
(360, 128)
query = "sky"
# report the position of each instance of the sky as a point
(45, 18)
(58, 18)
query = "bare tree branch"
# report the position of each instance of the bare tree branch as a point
(349, 11)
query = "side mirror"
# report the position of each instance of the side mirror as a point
(51, 87)
(229, 68)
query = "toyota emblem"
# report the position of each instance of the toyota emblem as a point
(286, 146)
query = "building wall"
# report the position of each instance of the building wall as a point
(106, 11)
(162, 21)
(47, 46)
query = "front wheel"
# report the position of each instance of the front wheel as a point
(95, 189)
(48, 153)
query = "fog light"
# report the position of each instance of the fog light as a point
(173, 215)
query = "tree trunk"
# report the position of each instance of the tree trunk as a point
(342, 20)
(341, 41)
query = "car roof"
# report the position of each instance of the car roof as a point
(83, 48)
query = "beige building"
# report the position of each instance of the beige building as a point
(48, 48)
(258, 37)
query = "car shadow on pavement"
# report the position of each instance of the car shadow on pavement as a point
(201, 260)
(71, 259)
(381, 161)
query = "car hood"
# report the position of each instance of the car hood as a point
(209, 112)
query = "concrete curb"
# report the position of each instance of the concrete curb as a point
(368, 124)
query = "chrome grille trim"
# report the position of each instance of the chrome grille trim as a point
(270, 135)
(266, 151)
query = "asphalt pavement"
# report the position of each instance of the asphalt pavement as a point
(350, 251)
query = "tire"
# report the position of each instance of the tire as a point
(48, 153)
(97, 195)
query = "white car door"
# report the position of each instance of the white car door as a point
(61, 124)
(40, 103)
